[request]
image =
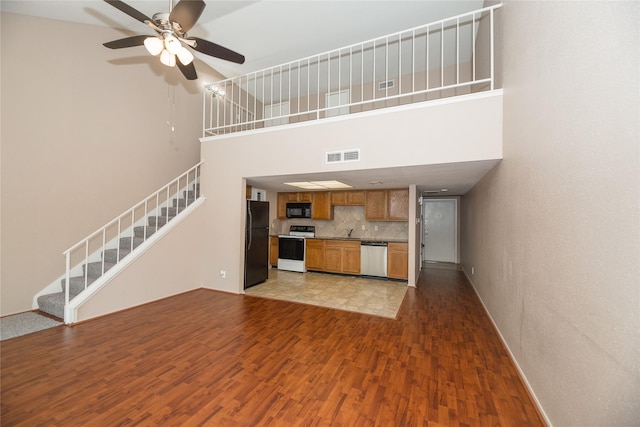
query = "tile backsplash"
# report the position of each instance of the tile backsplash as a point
(344, 219)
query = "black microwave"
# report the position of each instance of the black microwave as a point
(298, 210)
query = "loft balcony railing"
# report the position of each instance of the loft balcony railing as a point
(450, 57)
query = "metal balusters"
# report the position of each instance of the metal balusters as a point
(388, 50)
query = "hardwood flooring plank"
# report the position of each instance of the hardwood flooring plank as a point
(214, 359)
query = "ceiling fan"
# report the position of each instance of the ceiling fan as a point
(172, 36)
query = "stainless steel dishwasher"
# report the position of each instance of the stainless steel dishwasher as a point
(373, 258)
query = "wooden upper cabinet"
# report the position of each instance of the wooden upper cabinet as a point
(283, 198)
(321, 205)
(355, 198)
(398, 205)
(347, 198)
(398, 261)
(375, 207)
(387, 205)
(304, 197)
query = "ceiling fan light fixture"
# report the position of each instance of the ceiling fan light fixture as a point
(172, 44)
(168, 58)
(154, 45)
(185, 56)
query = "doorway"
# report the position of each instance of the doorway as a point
(440, 230)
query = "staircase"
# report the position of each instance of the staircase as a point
(54, 303)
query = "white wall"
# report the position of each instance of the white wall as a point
(301, 149)
(553, 230)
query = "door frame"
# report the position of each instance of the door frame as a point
(456, 222)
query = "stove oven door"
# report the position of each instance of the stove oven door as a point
(291, 253)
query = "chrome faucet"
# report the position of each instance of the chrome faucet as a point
(350, 231)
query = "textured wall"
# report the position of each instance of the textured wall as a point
(86, 133)
(552, 232)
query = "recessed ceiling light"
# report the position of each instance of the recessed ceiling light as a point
(318, 185)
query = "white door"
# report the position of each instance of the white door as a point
(276, 110)
(440, 230)
(336, 99)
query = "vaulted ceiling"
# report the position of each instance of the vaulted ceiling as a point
(267, 32)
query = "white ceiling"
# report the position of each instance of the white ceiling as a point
(273, 32)
(456, 178)
(267, 32)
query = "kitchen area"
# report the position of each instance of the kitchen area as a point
(344, 249)
(350, 232)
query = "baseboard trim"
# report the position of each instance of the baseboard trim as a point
(523, 377)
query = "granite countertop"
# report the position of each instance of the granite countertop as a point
(363, 239)
(354, 239)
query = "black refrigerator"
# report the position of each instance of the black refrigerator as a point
(256, 245)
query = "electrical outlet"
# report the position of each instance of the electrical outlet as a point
(363, 226)
(375, 228)
(473, 271)
(223, 274)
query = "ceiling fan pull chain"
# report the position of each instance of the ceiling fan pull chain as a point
(171, 106)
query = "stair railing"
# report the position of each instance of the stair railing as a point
(162, 205)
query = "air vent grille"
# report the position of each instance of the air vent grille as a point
(352, 155)
(386, 85)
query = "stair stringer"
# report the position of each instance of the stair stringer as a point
(71, 309)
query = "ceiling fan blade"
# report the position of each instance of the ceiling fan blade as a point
(123, 7)
(186, 13)
(216, 50)
(189, 70)
(126, 42)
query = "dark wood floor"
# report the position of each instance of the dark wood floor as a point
(209, 358)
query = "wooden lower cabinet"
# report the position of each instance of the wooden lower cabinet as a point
(398, 261)
(315, 256)
(351, 258)
(273, 250)
(342, 256)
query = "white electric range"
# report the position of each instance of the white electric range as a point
(292, 248)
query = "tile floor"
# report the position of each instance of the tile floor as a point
(363, 295)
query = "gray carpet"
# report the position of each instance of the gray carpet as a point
(23, 324)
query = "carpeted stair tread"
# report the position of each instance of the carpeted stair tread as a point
(95, 269)
(159, 220)
(170, 211)
(125, 242)
(142, 231)
(53, 304)
(110, 255)
(183, 202)
(77, 283)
